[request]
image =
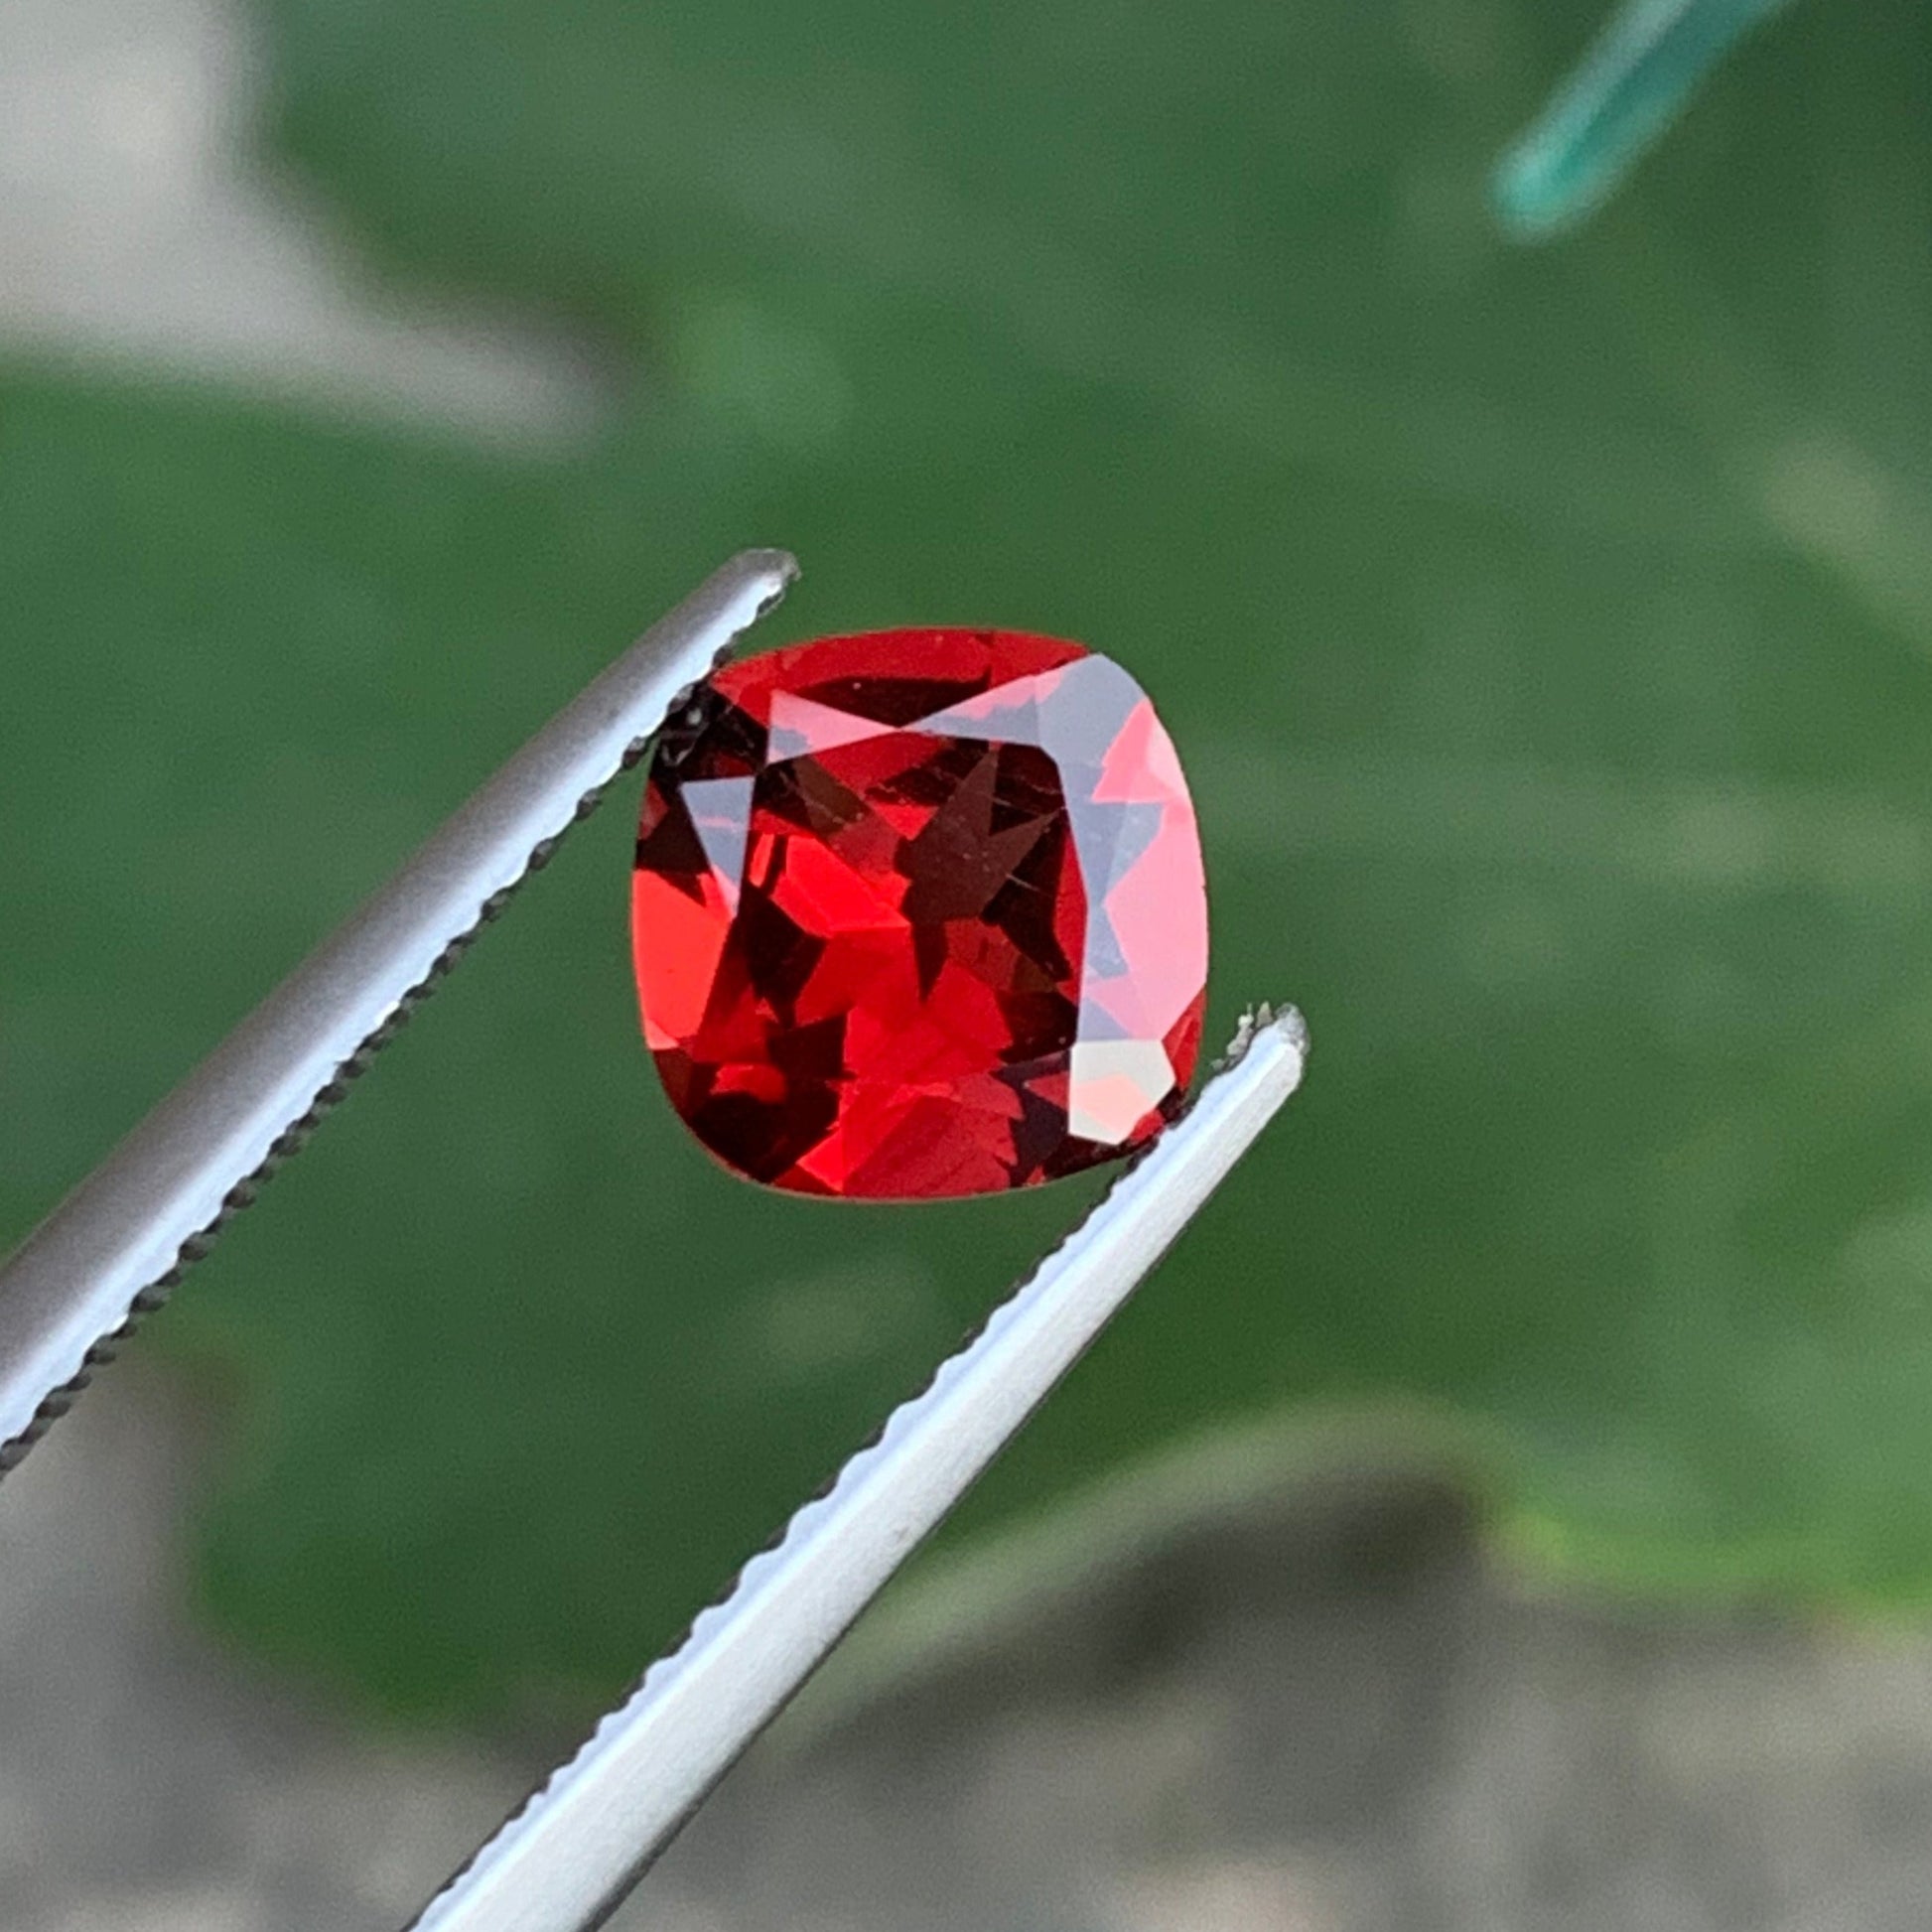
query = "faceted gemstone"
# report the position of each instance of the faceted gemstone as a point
(921, 913)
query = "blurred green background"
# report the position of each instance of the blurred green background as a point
(1545, 633)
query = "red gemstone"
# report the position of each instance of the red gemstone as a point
(920, 913)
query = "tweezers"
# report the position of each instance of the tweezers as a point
(121, 1239)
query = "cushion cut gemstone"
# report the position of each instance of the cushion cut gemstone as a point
(921, 913)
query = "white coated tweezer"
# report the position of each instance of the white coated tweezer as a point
(121, 1239)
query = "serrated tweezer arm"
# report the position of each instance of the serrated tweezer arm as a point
(124, 1233)
(567, 1858)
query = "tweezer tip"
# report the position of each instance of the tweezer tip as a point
(1285, 1022)
(1294, 1028)
(779, 567)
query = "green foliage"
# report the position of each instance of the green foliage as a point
(1546, 635)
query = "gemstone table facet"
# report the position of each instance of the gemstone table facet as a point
(920, 913)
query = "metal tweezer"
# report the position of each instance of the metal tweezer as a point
(111, 1250)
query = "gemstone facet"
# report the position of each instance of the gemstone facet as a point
(918, 913)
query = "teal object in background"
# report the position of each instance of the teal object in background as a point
(1630, 87)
